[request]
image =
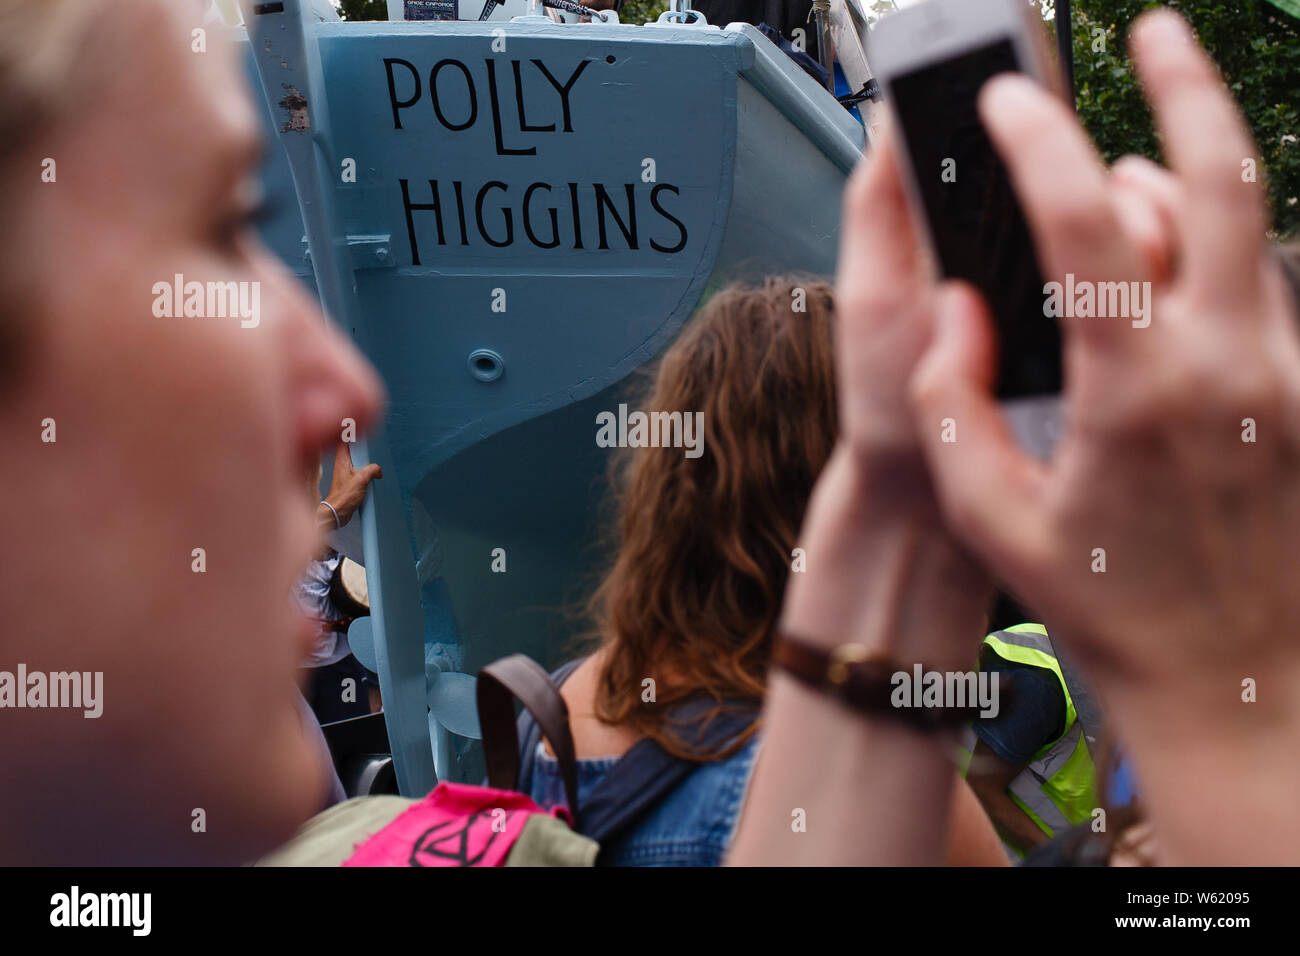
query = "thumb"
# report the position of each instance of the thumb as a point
(370, 473)
(988, 487)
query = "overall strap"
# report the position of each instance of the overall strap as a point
(648, 773)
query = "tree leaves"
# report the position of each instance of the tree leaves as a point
(1258, 54)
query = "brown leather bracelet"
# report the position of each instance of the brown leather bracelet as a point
(863, 680)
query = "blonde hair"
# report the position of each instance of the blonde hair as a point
(46, 57)
(52, 61)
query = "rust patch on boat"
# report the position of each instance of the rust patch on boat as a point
(295, 104)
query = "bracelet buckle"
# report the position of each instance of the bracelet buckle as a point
(837, 670)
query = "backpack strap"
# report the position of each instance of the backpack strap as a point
(519, 676)
(648, 773)
(530, 733)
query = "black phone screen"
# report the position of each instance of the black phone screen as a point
(975, 221)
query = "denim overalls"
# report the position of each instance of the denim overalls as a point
(691, 826)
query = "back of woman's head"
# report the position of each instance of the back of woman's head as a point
(705, 543)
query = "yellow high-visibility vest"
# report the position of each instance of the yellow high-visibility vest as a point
(1059, 786)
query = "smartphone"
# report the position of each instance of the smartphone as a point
(931, 60)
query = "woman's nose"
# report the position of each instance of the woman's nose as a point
(337, 393)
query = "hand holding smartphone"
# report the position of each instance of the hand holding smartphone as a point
(932, 59)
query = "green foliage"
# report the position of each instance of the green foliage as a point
(362, 9)
(642, 11)
(1257, 48)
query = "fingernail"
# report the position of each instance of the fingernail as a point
(1162, 28)
(1009, 88)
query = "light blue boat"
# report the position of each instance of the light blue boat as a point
(511, 217)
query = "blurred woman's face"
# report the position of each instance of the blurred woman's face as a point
(171, 435)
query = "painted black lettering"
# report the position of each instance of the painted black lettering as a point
(519, 102)
(460, 211)
(628, 228)
(555, 219)
(563, 90)
(420, 207)
(505, 210)
(469, 85)
(681, 229)
(399, 105)
(502, 149)
(577, 216)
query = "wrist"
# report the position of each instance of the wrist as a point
(1233, 707)
(892, 580)
(1233, 754)
(878, 492)
(329, 512)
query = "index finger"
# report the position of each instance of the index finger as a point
(1060, 181)
(879, 235)
(1207, 144)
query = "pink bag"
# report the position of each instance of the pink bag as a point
(463, 825)
(455, 825)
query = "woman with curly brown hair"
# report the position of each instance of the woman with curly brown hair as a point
(684, 619)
